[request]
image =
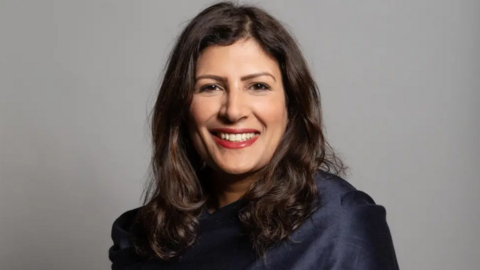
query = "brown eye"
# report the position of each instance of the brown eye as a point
(209, 88)
(260, 86)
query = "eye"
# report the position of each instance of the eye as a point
(260, 86)
(209, 88)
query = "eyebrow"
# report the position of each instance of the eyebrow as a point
(244, 78)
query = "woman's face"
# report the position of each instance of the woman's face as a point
(238, 113)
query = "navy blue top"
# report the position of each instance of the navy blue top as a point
(348, 231)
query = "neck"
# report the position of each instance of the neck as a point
(228, 188)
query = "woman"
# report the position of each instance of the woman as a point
(242, 175)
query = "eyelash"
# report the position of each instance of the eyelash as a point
(204, 88)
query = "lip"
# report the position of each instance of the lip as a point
(234, 145)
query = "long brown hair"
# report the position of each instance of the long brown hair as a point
(283, 197)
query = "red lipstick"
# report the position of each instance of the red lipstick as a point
(234, 145)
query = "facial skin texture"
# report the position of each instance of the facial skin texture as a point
(237, 103)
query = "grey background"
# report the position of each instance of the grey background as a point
(400, 87)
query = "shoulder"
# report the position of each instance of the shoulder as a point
(122, 252)
(336, 192)
(345, 204)
(126, 219)
(348, 230)
(356, 224)
(122, 228)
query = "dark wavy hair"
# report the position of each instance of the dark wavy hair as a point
(284, 194)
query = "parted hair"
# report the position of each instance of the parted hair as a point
(284, 193)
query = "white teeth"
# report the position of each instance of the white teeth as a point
(236, 137)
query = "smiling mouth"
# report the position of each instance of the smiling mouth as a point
(235, 137)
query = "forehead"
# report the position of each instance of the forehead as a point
(241, 57)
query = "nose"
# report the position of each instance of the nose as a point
(235, 107)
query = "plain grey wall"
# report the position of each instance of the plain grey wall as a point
(400, 83)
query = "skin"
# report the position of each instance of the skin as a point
(232, 102)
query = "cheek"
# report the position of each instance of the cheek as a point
(195, 120)
(273, 113)
(200, 112)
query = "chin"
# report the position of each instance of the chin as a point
(235, 168)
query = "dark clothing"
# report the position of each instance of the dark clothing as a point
(348, 232)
